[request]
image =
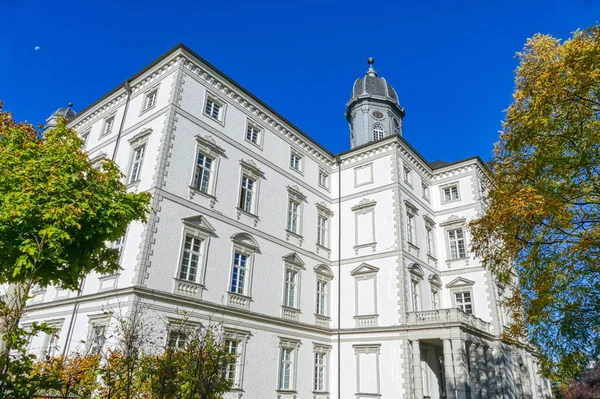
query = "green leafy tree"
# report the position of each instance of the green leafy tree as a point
(58, 211)
(542, 217)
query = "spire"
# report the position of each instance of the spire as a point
(371, 71)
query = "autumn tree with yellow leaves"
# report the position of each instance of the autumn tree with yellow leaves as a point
(541, 221)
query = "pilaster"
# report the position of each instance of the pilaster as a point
(474, 363)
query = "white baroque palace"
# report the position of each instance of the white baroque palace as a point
(338, 276)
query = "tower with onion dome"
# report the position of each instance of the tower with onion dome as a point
(374, 111)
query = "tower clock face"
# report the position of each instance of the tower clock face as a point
(377, 114)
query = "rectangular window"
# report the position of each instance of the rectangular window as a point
(296, 161)
(108, 125)
(425, 190)
(246, 195)
(190, 259)
(238, 275)
(463, 302)
(456, 243)
(323, 179)
(429, 238)
(407, 175)
(321, 298)
(252, 134)
(286, 369)
(320, 370)
(177, 339)
(435, 299)
(231, 369)
(136, 163)
(119, 244)
(411, 228)
(322, 231)
(85, 137)
(293, 216)
(416, 295)
(213, 109)
(150, 100)
(51, 347)
(450, 193)
(290, 288)
(97, 338)
(202, 173)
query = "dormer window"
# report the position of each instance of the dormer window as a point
(378, 132)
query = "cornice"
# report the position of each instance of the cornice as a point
(112, 101)
(253, 108)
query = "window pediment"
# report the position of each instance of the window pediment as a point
(429, 220)
(250, 167)
(460, 282)
(295, 193)
(199, 222)
(453, 220)
(416, 270)
(323, 209)
(323, 270)
(364, 204)
(246, 241)
(435, 281)
(364, 269)
(209, 145)
(140, 136)
(294, 259)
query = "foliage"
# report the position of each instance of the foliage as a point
(68, 376)
(586, 387)
(16, 377)
(541, 220)
(57, 210)
(193, 369)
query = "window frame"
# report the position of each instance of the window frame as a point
(292, 264)
(95, 321)
(425, 191)
(259, 133)
(378, 132)
(243, 244)
(407, 175)
(322, 369)
(241, 337)
(295, 154)
(464, 304)
(206, 146)
(450, 186)
(146, 105)
(214, 99)
(325, 184)
(250, 171)
(136, 164)
(109, 121)
(198, 228)
(449, 242)
(416, 277)
(294, 216)
(285, 345)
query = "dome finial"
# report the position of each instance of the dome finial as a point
(371, 71)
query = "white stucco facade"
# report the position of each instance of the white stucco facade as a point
(398, 269)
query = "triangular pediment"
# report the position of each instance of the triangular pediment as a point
(199, 222)
(365, 268)
(294, 259)
(460, 282)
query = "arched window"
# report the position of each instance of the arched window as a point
(378, 132)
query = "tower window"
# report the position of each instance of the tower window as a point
(378, 132)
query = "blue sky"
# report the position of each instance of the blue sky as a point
(451, 62)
